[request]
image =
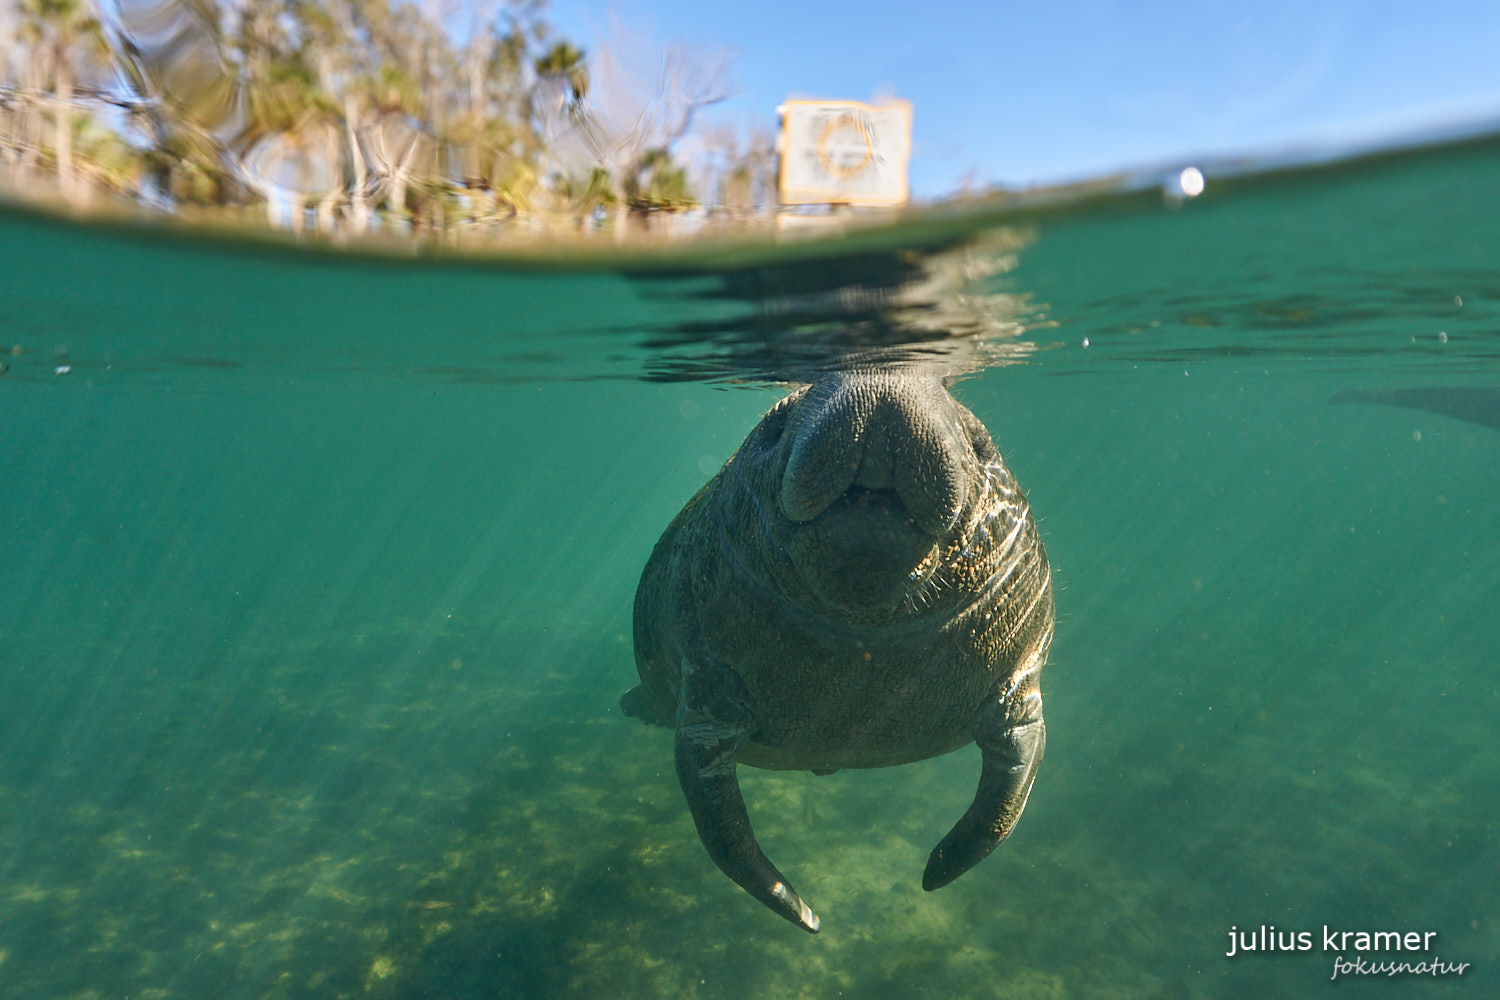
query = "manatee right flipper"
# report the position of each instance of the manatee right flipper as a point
(1012, 737)
(706, 751)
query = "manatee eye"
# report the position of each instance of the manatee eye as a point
(984, 446)
(980, 441)
(773, 424)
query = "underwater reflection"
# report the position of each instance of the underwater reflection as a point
(792, 321)
(1478, 405)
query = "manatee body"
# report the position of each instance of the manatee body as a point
(861, 585)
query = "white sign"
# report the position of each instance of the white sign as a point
(844, 152)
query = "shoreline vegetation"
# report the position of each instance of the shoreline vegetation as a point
(354, 120)
(404, 129)
(390, 128)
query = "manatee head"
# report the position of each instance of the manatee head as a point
(862, 479)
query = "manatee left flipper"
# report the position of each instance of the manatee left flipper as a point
(637, 703)
(706, 751)
(1012, 737)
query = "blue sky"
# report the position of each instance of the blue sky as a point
(1020, 93)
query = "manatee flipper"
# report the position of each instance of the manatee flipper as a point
(637, 703)
(706, 750)
(1011, 736)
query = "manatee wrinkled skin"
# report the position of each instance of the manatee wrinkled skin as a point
(861, 585)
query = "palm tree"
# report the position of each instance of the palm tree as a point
(658, 185)
(585, 196)
(63, 30)
(564, 63)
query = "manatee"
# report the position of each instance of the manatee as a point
(861, 585)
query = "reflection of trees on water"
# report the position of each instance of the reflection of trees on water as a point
(359, 115)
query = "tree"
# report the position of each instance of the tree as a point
(564, 63)
(659, 185)
(67, 37)
(644, 111)
(736, 165)
(375, 111)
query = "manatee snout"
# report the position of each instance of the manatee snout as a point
(863, 551)
(879, 433)
(879, 467)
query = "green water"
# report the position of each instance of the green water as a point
(317, 577)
